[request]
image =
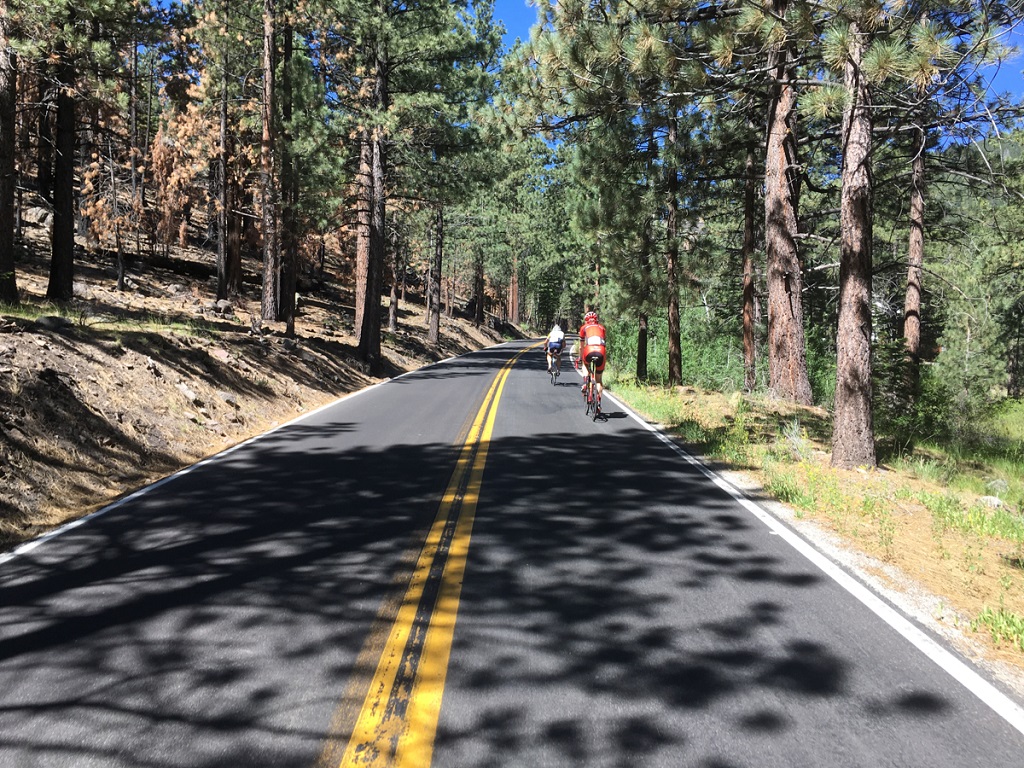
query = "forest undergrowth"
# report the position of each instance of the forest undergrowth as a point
(948, 521)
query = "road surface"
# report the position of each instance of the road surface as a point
(459, 568)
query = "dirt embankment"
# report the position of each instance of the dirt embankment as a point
(119, 388)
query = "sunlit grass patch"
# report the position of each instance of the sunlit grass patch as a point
(1004, 626)
(700, 419)
(977, 520)
(785, 486)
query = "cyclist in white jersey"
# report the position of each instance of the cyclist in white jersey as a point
(553, 347)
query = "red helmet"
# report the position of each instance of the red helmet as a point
(590, 317)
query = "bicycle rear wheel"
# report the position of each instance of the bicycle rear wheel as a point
(591, 389)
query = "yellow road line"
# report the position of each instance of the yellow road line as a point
(398, 720)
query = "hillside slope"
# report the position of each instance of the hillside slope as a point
(119, 388)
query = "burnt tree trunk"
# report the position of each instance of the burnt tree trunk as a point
(62, 237)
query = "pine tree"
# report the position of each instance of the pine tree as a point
(8, 112)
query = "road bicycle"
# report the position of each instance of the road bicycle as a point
(592, 392)
(555, 371)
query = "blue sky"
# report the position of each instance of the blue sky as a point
(518, 17)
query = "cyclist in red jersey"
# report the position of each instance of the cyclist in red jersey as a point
(592, 347)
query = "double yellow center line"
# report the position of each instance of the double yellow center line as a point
(398, 720)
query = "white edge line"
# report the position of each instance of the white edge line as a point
(999, 702)
(28, 546)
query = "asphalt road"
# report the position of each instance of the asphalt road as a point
(614, 608)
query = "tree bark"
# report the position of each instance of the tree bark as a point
(675, 355)
(364, 204)
(270, 306)
(749, 348)
(44, 136)
(393, 260)
(8, 114)
(915, 255)
(434, 328)
(290, 192)
(224, 270)
(853, 440)
(787, 356)
(369, 334)
(235, 224)
(513, 290)
(62, 237)
(479, 287)
(641, 348)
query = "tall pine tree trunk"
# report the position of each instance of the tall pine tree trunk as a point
(853, 439)
(364, 206)
(643, 318)
(915, 256)
(641, 347)
(133, 120)
(44, 135)
(749, 343)
(369, 334)
(787, 356)
(479, 288)
(290, 192)
(394, 262)
(8, 114)
(90, 149)
(434, 327)
(62, 238)
(235, 224)
(513, 291)
(270, 306)
(675, 355)
(224, 287)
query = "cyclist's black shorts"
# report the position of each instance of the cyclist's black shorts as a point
(554, 347)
